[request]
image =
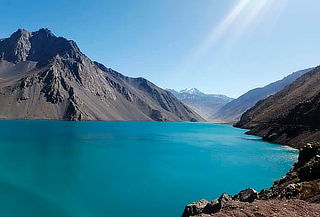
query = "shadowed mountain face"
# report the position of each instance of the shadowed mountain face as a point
(203, 104)
(292, 116)
(47, 77)
(232, 111)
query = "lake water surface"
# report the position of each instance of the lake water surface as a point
(122, 169)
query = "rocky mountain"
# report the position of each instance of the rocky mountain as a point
(232, 111)
(292, 116)
(296, 194)
(47, 77)
(203, 104)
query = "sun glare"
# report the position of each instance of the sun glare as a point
(234, 25)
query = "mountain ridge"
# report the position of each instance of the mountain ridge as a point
(231, 112)
(291, 116)
(47, 77)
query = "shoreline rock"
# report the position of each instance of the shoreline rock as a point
(299, 188)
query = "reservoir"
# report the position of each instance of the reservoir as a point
(122, 169)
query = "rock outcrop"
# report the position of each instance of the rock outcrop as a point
(298, 191)
(47, 77)
(302, 181)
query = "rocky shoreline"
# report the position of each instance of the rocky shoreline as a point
(296, 194)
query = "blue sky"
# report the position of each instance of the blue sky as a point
(217, 46)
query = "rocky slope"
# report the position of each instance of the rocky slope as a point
(289, 117)
(232, 111)
(296, 194)
(203, 104)
(47, 77)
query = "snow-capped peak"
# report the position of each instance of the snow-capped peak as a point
(193, 91)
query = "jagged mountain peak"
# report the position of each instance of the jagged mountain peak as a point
(20, 33)
(40, 46)
(44, 32)
(192, 91)
(47, 77)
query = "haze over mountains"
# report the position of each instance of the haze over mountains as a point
(232, 111)
(291, 116)
(47, 77)
(222, 109)
(203, 104)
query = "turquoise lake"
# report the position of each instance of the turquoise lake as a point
(121, 169)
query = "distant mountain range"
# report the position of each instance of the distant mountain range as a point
(203, 104)
(291, 116)
(47, 77)
(232, 111)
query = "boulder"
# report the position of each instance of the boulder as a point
(248, 195)
(224, 198)
(216, 205)
(212, 207)
(205, 207)
(290, 191)
(195, 208)
(306, 154)
(311, 170)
